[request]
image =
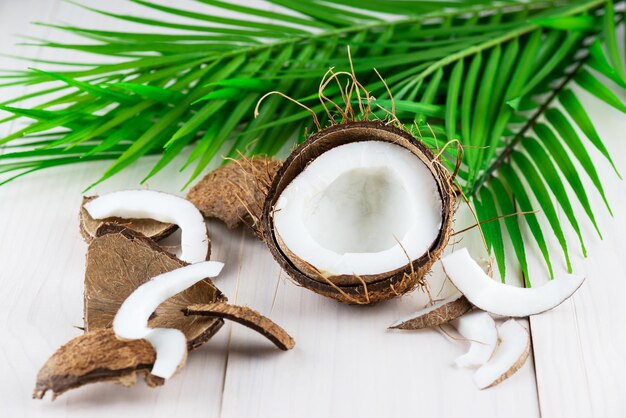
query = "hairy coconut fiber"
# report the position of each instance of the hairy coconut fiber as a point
(235, 192)
(347, 288)
(96, 356)
(120, 260)
(149, 227)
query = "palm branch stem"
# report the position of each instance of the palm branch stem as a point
(505, 154)
(510, 147)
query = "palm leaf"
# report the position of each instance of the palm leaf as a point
(496, 76)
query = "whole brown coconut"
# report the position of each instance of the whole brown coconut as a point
(354, 289)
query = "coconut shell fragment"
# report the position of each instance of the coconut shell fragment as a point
(247, 317)
(235, 192)
(438, 313)
(120, 260)
(149, 227)
(96, 356)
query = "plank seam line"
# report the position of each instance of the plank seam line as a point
(532, 347)
(230, 329)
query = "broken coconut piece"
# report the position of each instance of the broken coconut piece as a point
(440, 312)
(502, 299)
(479, 329)
(248, 317)
(235, 192)
(149, 227)
(359, 212)
(120, 260)
(510, 356)
(163, 207)
(96, 356)
(131, 321)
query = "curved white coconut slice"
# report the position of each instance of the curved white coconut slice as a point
(440, 312)
(509, 358)
(361, 208)
(131, 320)
(163, 207)
(502, 299)
(480, 329)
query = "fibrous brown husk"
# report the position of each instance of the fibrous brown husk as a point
(248, 317)
(235, 192)
(149, 227)
(120, 260)
(96, 356)
(439, 313)
(346, 288)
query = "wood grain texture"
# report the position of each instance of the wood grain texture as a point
(346, 362)
(580, 347)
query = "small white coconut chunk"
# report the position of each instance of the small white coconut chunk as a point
(358, 207)
(502, 299)
(171, 348)
(479, 329)
(511, 355)
(131, 320)
(163, 207)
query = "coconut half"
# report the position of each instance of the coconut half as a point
(120, 260)
(510, 356)
(163, 207)
(149, 227)
(131, 320)
(359, 212)
(479, 329)
(502, 299)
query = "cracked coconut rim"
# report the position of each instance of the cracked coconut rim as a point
(361, 208)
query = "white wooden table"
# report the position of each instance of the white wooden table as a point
(345, 362)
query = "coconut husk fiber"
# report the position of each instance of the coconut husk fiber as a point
(235, 192)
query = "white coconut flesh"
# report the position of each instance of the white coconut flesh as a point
(163, 207)
(479, 329)
(512, 352)
(502, 299)
(360, 209)
(131, 320)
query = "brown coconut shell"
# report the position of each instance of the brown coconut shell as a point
(149, 227)
(347, 288)
(120, 260)
(437, 314)
(96, 356)
(235, 192)
(247, 317)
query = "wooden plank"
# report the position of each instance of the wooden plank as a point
(346, 363)
(579, 347)
(42, 257)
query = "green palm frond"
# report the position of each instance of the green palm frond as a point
(494, 76)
